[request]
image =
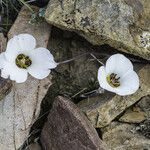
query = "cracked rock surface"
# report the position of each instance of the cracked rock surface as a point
(119, 136)
(122, 24)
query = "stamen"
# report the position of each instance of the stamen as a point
(23, 61)
(113, 80)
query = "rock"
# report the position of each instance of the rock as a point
(134, 115)
(21, 107)
(106, 107)
(122, 24)
(34, 146)
(5, 85)
(121, 136)
(144, 128)
(3, 42)
(139, 113)
(68, 129)
(144, 104)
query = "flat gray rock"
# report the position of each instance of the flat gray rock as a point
(68, 129)
(21, 107)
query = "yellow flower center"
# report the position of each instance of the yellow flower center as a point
(23, 61)
(113, 80)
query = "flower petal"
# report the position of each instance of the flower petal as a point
(39, 74)
(129, 84)
(27, 42)
(42, 58)
(2, 60)
(13, 49)
(4, 74)
(15, 73)
(118, 64)
(18, 44)
(103, 81)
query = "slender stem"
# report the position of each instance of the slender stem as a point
(97, 59)
(79, 93)
(77, 57)
(93, 93)
(72, 59)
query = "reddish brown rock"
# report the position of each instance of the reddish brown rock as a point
(68, 129)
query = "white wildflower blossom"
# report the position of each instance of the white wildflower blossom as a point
(118, 76)
(22, 57)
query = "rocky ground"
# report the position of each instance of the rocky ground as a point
(112, 115)
(75, 120)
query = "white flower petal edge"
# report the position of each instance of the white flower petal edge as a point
(22, 58)
(2, 60)
(121, 66)
(15, 73)
(118, 63)
(129, 84)
(39, 74)
(42, 58)
(19, 43)
(42, 61)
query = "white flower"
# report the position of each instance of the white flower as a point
(22, 57)
(118, 76)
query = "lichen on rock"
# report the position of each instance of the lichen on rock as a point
(121, 136)
(121, 24)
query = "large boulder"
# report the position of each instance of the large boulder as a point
(122, 24)
(68, 129)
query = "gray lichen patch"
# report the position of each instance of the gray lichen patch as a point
(144, 39)
(144, 128)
